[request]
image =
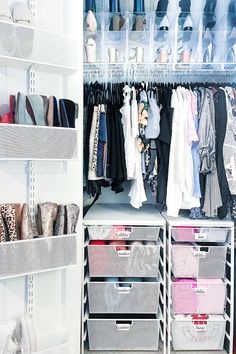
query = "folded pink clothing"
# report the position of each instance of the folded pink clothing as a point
(184, 233)
(191, 296)
(185, 265)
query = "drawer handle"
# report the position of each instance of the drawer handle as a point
(123, 326)
(123, 232)
(123, 290)
(200, 236)
(199, 253)
(199, 291)
(124, 253)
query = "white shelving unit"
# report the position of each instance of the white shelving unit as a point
(184, 222)
(104, 216)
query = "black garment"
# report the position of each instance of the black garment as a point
(221, 125)
(209, 18)
(163, 143)
(116, 166)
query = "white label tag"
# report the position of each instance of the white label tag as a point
(200, 327)
(123, 234)
(123, 327)
(200, 291)
(200, 236)
(124, 253)
(199, 254)
(124, 291)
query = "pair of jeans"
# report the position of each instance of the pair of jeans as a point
(209, 18)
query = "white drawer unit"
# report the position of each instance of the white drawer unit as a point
(123, 232)
(111, 334)
(134, 261)
(124, 279)
(200, 273)
(198, 332)
(137, 297)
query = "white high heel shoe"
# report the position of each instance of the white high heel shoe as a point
(91, 22)
(91, 49)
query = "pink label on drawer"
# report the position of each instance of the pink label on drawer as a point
(123, 231)
(200, 322)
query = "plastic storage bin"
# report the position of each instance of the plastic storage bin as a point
(198, 332)
(123, 334)
(140, 297)
(135, 261)
(193, 234)
(191, 296)
(192, 261)
(123, 232)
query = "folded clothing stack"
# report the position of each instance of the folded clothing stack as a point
(41, 111)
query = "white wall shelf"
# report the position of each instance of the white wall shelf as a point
(37, 255)
(25, 47)
(22, 142)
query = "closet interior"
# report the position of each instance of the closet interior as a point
(146, 59)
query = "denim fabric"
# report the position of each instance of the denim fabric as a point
(209, 18)
(114, 6)
(139, 7)
(185, 6)
(90, 5)
(232, 13)
(162, 8)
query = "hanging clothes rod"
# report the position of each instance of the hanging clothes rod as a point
(139, 72)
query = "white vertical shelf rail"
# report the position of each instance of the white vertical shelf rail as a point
(164, 290)
(169, 292)
(230, 336)
(31, 77)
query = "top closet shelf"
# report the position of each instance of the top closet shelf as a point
(124, 214)
(23, 142)
(27, 47)
(184, 221)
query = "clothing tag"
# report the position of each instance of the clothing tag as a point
(199, 254)
(123, 327)
(200, 236)
(200, 291)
